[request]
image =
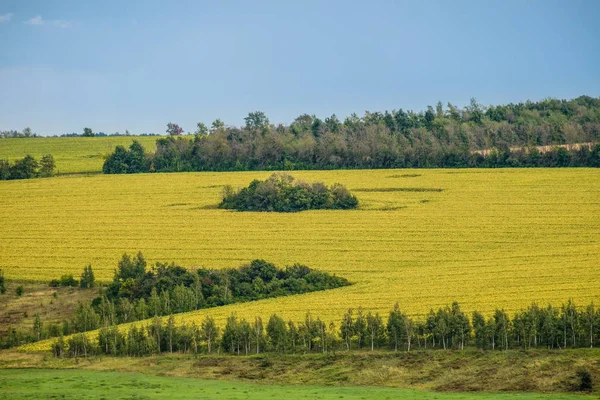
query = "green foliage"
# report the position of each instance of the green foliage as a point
(87, 280)
(20, 290)
(124, 161)
(282, 193)
(66, 280)
(169, 288)
(202, 129)
(85, 318)
(47, 166)
(87, 132)
(445, 138)
(58, 347)
(37, 327)
(27, 168)
(2, 282)
(447, 328)
(583, 380)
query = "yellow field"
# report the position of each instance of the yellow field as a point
(72, 155)
(490, 238)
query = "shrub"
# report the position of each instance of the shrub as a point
(20, 290)
(583, 381)
(282, 193)
(68, 281)
(2, 282)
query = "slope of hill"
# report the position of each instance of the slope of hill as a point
(72, 154)
(486, 238)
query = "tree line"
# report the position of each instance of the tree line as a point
(27, 167)
(87, 132)
(446, 328)
(447, 137)
(283, 193)
(25, 133)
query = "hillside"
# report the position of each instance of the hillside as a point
(422, 375)
(485, 238)
(73, 155)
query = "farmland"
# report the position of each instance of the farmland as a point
(485, 238)
(72, 155)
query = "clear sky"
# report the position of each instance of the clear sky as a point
(136, 65)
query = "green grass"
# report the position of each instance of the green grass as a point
(72, 155)
(468, 371)
(78, 384)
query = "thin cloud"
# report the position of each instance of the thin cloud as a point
(6, 17)
(37, 20)
(61, 24)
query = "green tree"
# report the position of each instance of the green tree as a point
(141, 309)
(210, 332)
(257, 335)
(256, 120)
(277, 333)
(126, 310)
(376, 332)
(87, 280)
(136, 158)
(154, 303)
(360, 328)
(87, 132)
(590, 323)
(129, 267)
(202, 129)
(231, 335)
(37, 327)
(25, 168)
(171, 331)
(85, 318)
(47, 166)
(479, 329)
(347, 328)
(502, 322)
(217, 126)
(395, 326)
(5, 170)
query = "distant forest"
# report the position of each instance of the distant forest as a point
(438, 137)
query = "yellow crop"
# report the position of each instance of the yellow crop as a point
(491, 238)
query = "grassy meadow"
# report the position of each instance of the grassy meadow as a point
(84, 384)
(424, 238)
(72, 155)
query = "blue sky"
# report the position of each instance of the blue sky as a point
(136, 65)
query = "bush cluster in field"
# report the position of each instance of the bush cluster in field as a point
(87, 280)
(283, 193)
(169, 288)
(27, 167)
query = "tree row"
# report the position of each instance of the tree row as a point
(447, 328)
